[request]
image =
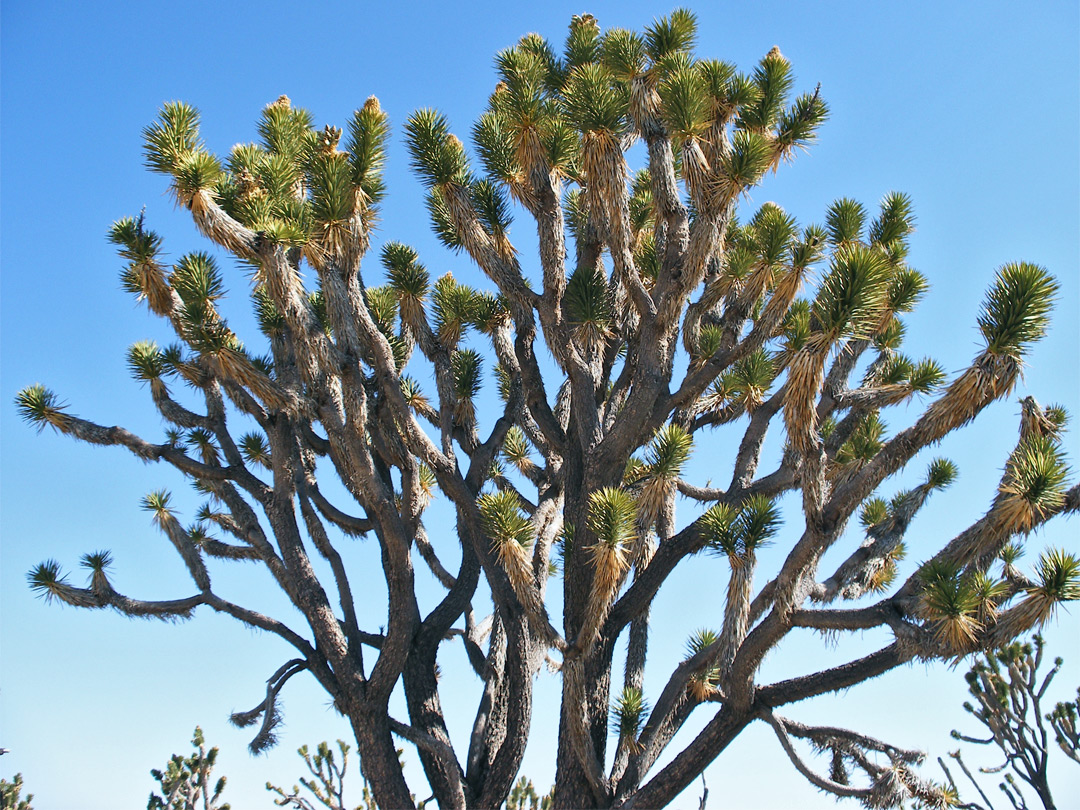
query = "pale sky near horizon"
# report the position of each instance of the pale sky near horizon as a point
(971, 108)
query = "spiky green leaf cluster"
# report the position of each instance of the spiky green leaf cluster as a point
(1037, 473)
(503, 520)
(896, 221)
(158, 502)
(454, 309)
(926, 376)
(852, 295)
(405, 275)
(772, 234)
(798, 125)
(844, 220)
(97, 561)
(202, 441)
(746, 162)
(906, 287)
(684, 103)
(197, 279)
(271, 321)
(1017, 308)
(141, 248)
(145, 361)
(172, 137)
(382, 303)
(739, 532)
(437, 155)
(516, 447)
(254, 448)
(45, 578)
(941, 473)
(773, 80)
(874, 512)
(582, 40)
(588, 303)
(951, 602)
(751, 378)
(1059, 576)
(466, 366)
(796, 327)
(865, 442)
(369, 131)
(668, 452)
(629, 712)
(594, 103)
(612, 517)
(39, 406)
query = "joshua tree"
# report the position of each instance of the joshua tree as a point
(525, 797)
(185, 782)
(651, 317)
(327, 782)
(1008, 691)
(9, 794)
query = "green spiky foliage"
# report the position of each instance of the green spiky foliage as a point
(516, 450)
(849, 302)
(1015, 314)
(143, 277)
(845, 220)
(588, 307)
(40, 407)
(874, 512)
(1057, 581)
(256, 450)
(865, 443)
(11, 797)
(1034, 483)
(146, 362)
(437, 155)
(466, 367)
(665, 297)
(751, 379)
(510, 531)
(369, 131)
(454, 308)
(185, 782)
(523, 796)
(950, 602)
(853, 294)
(628, 714)
(703, 684)
(665, 458)
(612, 520)
(1017, 309)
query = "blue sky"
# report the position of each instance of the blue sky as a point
(971, 108)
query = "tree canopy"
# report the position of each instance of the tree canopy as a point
(660, 310)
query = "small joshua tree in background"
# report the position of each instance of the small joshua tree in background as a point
(185, 782)
(523, 796)
(1008, 694)
(9, 794)
(328, 784)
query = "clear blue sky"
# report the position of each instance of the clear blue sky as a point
(971, 108)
